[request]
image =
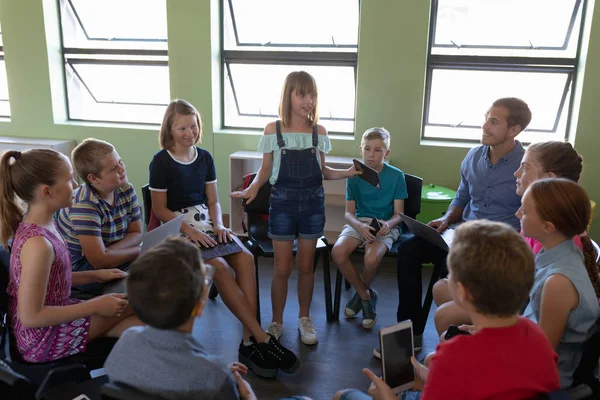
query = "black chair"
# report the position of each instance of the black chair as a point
(118, 391)
(260, 245)
(412, 207)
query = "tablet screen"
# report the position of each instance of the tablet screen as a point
(397, 348)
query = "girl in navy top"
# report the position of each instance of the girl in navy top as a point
(183, 180)
(294, 149)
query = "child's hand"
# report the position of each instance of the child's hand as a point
(421, 373)
(352, 171)
(223, 234)
(385, 228)
(366, 231)
(105, 275)
(469, 328)
(110, 305)
(238, 367)
(244, 387)
(202, 239)
(249, 194)
(379, 390)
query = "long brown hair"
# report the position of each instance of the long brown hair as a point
(176, 107)
(566, 205)
(21, 174)
(559, 158)
(302, 82)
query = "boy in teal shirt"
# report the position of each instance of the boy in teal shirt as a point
(363, 203)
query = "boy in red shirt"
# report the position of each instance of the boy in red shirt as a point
(506, 356)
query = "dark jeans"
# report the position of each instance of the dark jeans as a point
(412, 253)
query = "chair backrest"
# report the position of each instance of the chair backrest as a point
(147, 200)
(14, 385)
(4, 269)
(414, 186)
(258, 210)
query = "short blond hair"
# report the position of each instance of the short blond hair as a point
(377, 133)
(176, 107)
(495, 264)
(87, 157)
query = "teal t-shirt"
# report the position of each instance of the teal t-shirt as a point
(373, 202)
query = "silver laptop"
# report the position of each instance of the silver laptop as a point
(431, 235)
(151, 239)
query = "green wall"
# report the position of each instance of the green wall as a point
(391, 75)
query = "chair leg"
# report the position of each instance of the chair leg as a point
(435, 276)
(257, 288)
(327, 284)
(337, 296)
(214, 292)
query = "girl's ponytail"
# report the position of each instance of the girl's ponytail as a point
(10, 211)
(589, 258)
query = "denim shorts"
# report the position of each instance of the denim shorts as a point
(296, 213)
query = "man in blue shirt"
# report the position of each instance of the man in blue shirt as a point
(487, 190)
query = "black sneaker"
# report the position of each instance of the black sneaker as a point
(418, 343)
(257, 361)
(285, 359)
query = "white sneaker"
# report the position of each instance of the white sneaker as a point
(307, 330)
(275, 329)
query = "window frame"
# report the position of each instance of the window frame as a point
(107, 56)
(3, 60)
(488, 63)
(304, 57)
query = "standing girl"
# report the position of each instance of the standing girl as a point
(183, 180)
(564, 297)
(294, 149)
(45, 322)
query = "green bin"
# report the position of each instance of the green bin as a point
(434, 202)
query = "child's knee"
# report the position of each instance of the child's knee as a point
(371, 262)
(427, 361)
(339, 253)
(440, 292)
(282, 271)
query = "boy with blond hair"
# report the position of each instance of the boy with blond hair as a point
(103, 227)
(364, 203)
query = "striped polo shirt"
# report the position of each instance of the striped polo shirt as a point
(91, 215)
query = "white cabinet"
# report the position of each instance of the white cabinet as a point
(246, 162)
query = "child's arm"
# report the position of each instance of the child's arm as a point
(335, 174)
(395, 220)
(133, 236)
(100, 276)
(37, 256)
(214, 210)
(101, 257)
(262, 176)
(559, 297)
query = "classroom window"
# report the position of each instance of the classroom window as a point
(116, 62)
(480, 51)
(4, 104)
(259, 49)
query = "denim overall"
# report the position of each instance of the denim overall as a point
(297, 201)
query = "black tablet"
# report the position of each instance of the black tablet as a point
(368, 174)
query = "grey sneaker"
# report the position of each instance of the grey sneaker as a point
(275, 330)
(418, 343)
(369, 310)
(353, 306)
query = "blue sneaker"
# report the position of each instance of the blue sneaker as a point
(368, 309)
(353, 306)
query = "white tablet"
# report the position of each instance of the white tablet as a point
(396, 350)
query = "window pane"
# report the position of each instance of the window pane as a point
(120, 93)
(4, 104)
(538, 28)
(259, 22)
(258, 89)
(461, 98)
(114, 23)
